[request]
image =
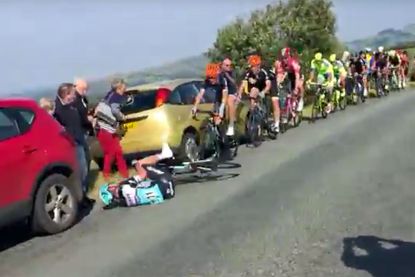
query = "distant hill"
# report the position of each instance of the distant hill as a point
(386, 38)
(191, 67)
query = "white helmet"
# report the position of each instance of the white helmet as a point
(368, 49)
(345, 56)
(381, 48)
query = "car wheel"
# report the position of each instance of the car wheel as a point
(189, 149)
(55, 206)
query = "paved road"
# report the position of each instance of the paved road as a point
(334, 198)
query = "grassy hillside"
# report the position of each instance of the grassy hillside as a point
(186, 68)
(387, 38)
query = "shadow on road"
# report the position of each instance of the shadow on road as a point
(15, 234)
(379, 257)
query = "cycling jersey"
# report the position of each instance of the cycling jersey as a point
(228, 80)
(338, 69)
(215, 89)
(291, 67)
(324, 68)
(359, 65)
(395, 61)
(256, 80)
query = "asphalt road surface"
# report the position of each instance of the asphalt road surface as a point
(334, 198)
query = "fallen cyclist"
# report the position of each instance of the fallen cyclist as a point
(149, 185)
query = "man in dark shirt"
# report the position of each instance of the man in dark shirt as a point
(81, 104)
(227, 79)
(68, 116)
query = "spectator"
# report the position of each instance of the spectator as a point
(81, 104)
(67, 115)
(107, 136)
(47, 104)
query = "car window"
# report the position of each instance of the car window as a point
(24, 118)
(8, 126)
(188, 93)
(141, 101)
(175, 98)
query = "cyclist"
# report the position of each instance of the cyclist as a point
(368, 57)
(322, 68)
(378, 64)
(340, 72)
(404, 67)
(291, 68)
(257, 82)
(218, 87)
(395, 63)
(359, 71)
(226, 77)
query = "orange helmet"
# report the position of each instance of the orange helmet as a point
(254, 60)
(212, 70)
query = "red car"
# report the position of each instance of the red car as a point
(38, 169)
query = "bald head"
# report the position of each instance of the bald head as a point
(81, 86)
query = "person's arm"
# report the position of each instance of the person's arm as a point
(198, 99)
(116, 111)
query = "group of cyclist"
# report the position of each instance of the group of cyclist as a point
(285, 76)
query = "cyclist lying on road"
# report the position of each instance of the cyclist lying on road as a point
(149, 186)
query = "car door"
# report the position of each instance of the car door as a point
(17, 157)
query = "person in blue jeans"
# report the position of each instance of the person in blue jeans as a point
(68, 116)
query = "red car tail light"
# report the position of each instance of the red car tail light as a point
(162, 96)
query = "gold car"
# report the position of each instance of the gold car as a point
(161, 112)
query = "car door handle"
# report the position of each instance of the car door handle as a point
(29, 149)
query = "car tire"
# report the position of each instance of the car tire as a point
(188, 140)
(54, 201)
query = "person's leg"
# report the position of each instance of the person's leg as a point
(87, 154)
(83, 173)
(166, 153)
(121, 163)
(104, 139)
(277, 113)
(253, 94)
(232, 114)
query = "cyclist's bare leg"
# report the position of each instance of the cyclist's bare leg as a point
(253, 95)
(277, 112)
(165, 153)
(231, 113)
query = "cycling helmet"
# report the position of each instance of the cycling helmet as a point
(333, 57)
(318, 56)
(367, 49)
(346, 56)
(212, 70)
(392, 53)
(381, 48)
(285, 52)
(254, 60)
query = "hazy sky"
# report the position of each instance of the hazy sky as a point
(45, 42)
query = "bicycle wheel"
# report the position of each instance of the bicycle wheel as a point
(210, 144)
(298, 118)
(253, 127)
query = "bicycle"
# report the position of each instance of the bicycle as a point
(320, 101)
(259, 121)
(213, 142)
(289, 113)
(339, 98)
(358, 90)
(393, 79)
